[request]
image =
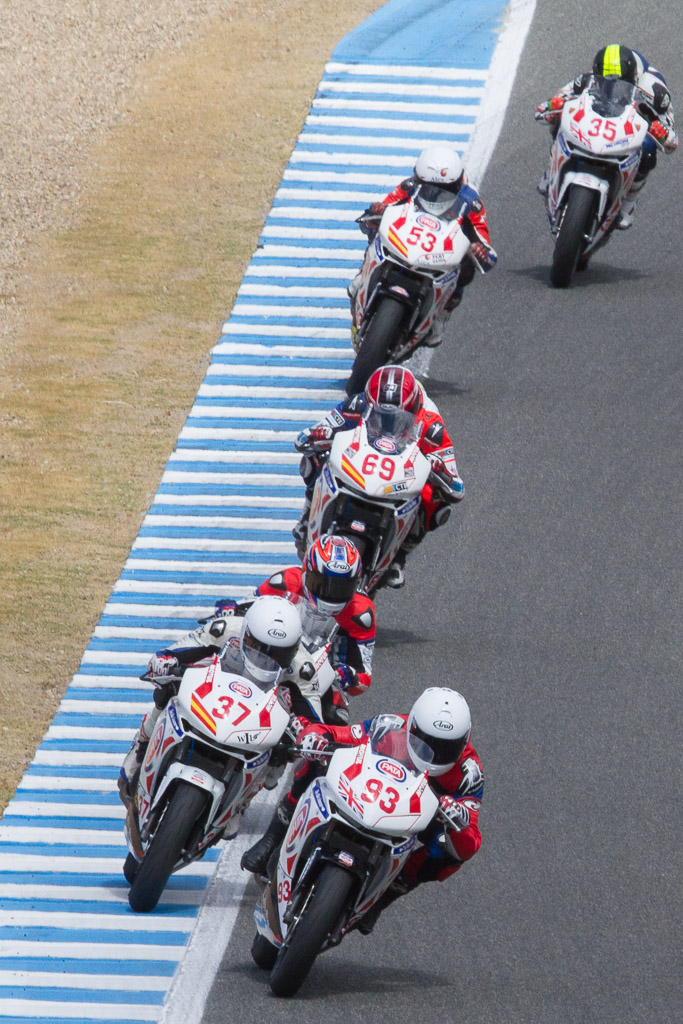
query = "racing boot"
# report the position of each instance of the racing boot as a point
(396, 575)
(300, 531)
(256, 858)
(628, 207)
(544, 184)
(132, 762)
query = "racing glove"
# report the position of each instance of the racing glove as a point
(550, 109)
(314, 743)
(457, 814)
(314, 437)
(161, 665)
(346, 677)
(666, 137)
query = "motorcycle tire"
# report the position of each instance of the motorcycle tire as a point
(382, 332)
(130, 868)
(571, 239)
(263, 953)
(304, 941)
(180, 817)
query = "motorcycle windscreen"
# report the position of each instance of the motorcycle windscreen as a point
(389, 738)
(610, 96)
(396, 424)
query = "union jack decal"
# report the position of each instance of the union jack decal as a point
(348, 794)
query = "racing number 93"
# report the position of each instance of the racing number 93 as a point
(386, 469)
(373, 789)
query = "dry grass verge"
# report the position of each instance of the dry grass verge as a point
(119, 314)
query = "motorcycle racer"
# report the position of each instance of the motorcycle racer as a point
(394, 395)
(259, 645)
(654, 104)
(233, 637)
(439, 175)
(328, 583)
(440, 717)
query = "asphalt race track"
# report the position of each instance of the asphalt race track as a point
(553, 598)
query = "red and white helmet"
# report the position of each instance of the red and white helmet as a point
(393, 398)
(439, 726)
(439, 174)
(332, 568)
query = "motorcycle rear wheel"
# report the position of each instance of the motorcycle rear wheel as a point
(167, 843)
(319, 917)
(571, 240)
(382, 333)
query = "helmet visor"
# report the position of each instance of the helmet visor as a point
(280, 656)
(445, 751)
(335, 589)
(436, 199)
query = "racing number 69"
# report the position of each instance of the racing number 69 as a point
(386, 465)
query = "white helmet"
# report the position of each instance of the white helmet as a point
(439, 174)
(439, 718)
(271, 631)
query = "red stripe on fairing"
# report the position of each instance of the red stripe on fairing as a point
(415, 803)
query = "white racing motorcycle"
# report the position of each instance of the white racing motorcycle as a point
(352, 832)
(369, 489)
(593, 162)
(409, 273)
(211, 752)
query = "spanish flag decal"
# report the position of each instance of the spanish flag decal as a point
(397, 242)
(202, 714)
(351, 471)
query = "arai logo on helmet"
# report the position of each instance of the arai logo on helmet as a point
(277, 634)
(441, 724)
(336, 565)
(385, 444)
(241, 688)
(429, 222)
(396, 771)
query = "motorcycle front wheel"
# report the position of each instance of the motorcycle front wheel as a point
(571, 238)
(382, 333)
(167, 843)
(318, 918)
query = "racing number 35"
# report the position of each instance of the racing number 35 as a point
(386, 466)
(607, 129)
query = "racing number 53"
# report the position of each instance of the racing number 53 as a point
(386, 466)
(373, 789)
(426, 240)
